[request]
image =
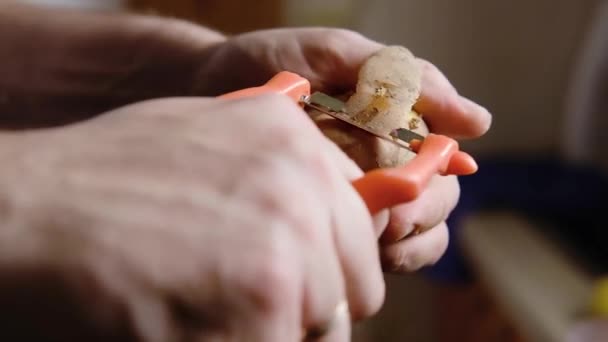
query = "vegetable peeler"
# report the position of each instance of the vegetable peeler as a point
(386, 187)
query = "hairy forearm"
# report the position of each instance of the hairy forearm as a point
(59, 66)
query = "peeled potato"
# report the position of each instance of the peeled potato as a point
(388, 87)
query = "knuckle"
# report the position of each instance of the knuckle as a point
(399, 227)
(451, 201)
(372, 303)
(287, 129)
(342, 36)
(276, 202)
(286, 138)
(427, 66)
(400, 258)
(289, 147)
(441, 244)
(339, 41)
(273, 202)
(397, 259)
(289, 135)
(276, 273)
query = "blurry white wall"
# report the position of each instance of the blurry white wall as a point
(587, 123)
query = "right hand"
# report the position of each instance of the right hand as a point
(183, 220)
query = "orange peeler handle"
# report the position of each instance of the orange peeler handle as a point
(285, 82)
(438, 154)
(383, 188)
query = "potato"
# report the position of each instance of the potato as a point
(388, 87)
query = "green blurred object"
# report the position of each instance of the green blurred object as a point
(599, 298)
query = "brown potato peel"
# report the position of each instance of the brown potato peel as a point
(388, 87)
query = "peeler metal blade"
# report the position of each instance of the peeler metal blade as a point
(337, 109)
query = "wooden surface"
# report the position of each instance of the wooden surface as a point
(228, 16)
(533, 282)
(468, 313)
(408, 313)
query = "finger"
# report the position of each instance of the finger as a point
(295, 162)
(351, 171)
(417, 251)
(324, 280)
(324, 284)
(234, 303)
(340, 329)
(308, 219)
(335, 69)
(353, 237)
(357, 248)
(269, 325)
(272, 310)
(432, 207)
(346, 165)
(255, 323)
(445, 110)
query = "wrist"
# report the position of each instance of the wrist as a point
(92, 62)
(8, 170)
(232, 65)
(20, 192)
(165, 56)
(194, 53)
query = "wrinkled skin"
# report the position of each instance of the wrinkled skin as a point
(331, 60)
(185, 237)
(216, 249)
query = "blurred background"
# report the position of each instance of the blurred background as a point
(529, 241)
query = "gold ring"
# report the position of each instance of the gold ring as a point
(340, 312)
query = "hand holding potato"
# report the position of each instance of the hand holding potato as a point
(332, 59)
(193, 219)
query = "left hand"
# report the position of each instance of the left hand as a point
(330, 59)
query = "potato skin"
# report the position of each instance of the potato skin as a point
(368, 151)
(388, 87)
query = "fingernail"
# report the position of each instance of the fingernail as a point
(482, 114)
(474, 106)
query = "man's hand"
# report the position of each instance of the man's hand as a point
(330, 59)
(96, 62)
(180, 220)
